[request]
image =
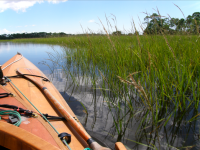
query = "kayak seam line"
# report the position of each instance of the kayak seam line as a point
(12, 62)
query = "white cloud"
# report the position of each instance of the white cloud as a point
(22, 5)
(5, 31)
(56, 1)
(90, 21)
(16, 5)
(33, 25)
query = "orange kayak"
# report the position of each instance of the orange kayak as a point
(34, 115)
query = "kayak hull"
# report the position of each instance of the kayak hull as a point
(38, 99)
(35, 132)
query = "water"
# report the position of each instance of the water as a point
(98, 121)
(34, 52)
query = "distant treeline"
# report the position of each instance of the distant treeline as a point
(155, 24)
(38, 35)
(33, 35)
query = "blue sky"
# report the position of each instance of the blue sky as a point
(18, 16)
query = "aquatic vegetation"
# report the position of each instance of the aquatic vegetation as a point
(154, 83)
(150, 83)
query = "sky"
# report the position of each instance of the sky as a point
(81, 16)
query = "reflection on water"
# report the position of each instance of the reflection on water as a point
(110, 118)
(33, 52)
(98, 120)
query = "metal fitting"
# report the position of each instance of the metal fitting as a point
(2, 79)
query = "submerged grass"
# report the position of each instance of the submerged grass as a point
(155, 82)
(152, 79)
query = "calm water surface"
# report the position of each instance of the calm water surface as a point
(33, 52)
(98, 121)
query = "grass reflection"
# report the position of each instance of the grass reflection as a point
(148, 83)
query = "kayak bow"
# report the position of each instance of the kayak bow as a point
(32, 97)
(36, 80)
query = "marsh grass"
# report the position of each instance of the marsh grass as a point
(149, 79)
(155, 83)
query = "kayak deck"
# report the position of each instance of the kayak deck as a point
(35, 132)
(38, 126)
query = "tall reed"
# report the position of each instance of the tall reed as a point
(153, 82)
